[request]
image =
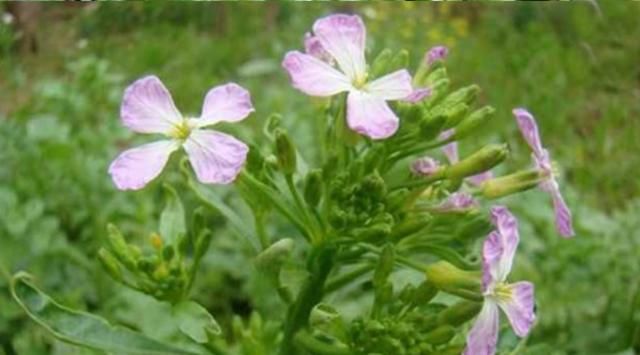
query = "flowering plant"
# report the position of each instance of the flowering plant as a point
(421, 241)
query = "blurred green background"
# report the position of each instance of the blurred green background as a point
(575, 65)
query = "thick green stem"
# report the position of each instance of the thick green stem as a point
(321, 261)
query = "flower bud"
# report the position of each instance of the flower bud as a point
(440, 335)
(474, 121)
(466, 95)
(271, 259)
(385, 266)
(436, 75)
(430, 127)
(119, 247)
(435, 54)
(424, 293)
(478, 162)
(455, 114)
(510, 184)
(285, 152)
(399, 61)
(110, 264)
(313, 187)
(459, 313)
(448, 278)
(381, 63)
(438, 90)
(425, 166)
(272, 124)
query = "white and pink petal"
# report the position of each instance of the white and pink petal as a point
(344, 36)
(563, 217)
(370, 115)
(529, 129)
(147, 107)
(229, 102)
(313, 76)
(483, 337)
(136, 167)
(216, 157)
(520, 309)
(394, 86)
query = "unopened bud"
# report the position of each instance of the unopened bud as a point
(119, 247)
(424, 293)
(272, 258)
(156, 241)
(430, 127)
(440, 335)
(455, 114)
(168, 252)
(285, 152)
(425, 166)
(466, 95)
(313, 187)
(459, 313)
(381, 63)
(436, 75)
(448, 278)
(439, 90)
(435, 54)
(110, 264)
(399, 61)
(510, 184)
(484, 159)
(385, 266)
(475, 120)
(271, 125)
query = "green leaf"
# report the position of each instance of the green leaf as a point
(195, 321)
(82, 328)
(172, 219)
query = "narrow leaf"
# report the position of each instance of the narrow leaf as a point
(81, 328)
(195, 321)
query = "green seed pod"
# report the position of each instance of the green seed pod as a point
(484, 159)
(459, 313)
(440, 335)
(110, 264)
(285, 152)
(474, 121)
(511, 184)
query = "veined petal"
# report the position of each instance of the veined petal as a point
(529, 129)
(312, 46)
(229, 102)
(136, 167)
(147, 107)
(313, 76)
(507, 228)
(492, 251)
(483, 337)
(564, 223)
(394, 86)
(370, 115)
(450, 150)
(344, 36)
(458, 201)
(520, 307)
(216, 157)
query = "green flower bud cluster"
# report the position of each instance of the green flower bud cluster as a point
(360, 207)
(160, 271)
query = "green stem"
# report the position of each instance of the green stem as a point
(321, 261)
(262, 235)
(302, 207)
(346, 278)
(399, 258)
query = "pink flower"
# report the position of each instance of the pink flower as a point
(435, 54)
(425, 166)
(451, 152)
(343, 37)
(147, 107)
(457, 202)
(516, 300)
(529, 129)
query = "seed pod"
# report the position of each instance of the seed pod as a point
(285, 152)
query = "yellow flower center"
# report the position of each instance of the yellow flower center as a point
(360, 81)
(181, 130)
(502, 292)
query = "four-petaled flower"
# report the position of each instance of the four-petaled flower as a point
(542, 161)
(516, 300)
(343, 38)
(451, 152)
(147, 107)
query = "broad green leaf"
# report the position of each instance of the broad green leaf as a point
(195, 321)
(82, 328)
(172, 219)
